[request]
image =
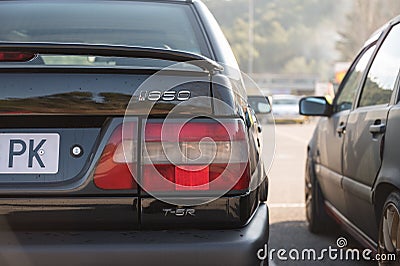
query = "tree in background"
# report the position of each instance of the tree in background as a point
(290, 36)
(365, 18)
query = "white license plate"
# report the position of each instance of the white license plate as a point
(29, 153)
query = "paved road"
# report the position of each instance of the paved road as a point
(288, 227)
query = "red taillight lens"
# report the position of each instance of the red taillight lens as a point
(191, 177)
(16, 56)
(118, 160)
(195, 156)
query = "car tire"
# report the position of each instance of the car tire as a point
(389, 228)
(317, 218)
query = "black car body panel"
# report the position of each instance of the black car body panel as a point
(69, 213)
(224, 213)
(91, 94)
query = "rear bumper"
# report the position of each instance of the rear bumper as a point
(183, 247)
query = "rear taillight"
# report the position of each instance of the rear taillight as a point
(195, 156)
(118, 160)
(16, 56)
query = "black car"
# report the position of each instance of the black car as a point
(352, 171)
(123, 141)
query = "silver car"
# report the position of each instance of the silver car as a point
(286, 109)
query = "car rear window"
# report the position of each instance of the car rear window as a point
(128, 23)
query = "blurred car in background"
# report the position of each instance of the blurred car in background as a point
(262, 107)
(286, 109)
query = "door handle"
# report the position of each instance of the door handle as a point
(259, 128)
(341, 129)
(377, 129)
